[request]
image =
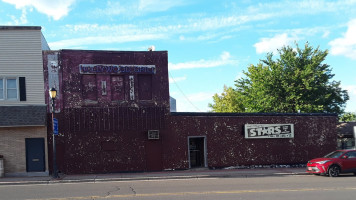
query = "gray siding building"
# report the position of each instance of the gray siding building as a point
(23, 131)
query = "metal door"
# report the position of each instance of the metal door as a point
(35, 154)
(197, 152)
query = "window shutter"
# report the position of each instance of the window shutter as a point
(22, 83)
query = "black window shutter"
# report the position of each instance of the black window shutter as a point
(22, 83)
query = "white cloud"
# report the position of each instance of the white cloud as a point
(113, 8)
(137, 8)
(22, 20)
(225, 56)
(351, 89)
(85, 41)
(190, 26)
(239, 75)
(345, 45)
(326, 34)
(302, 7)
(200, 96)
(54, 9)
(224, 59)
(158, 5)
(197, 102)
(98, 34)
(272, 44)
(351, 104)
(195, 28)
(177, 79)
(263, 11)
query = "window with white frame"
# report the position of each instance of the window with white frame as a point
(9, 88)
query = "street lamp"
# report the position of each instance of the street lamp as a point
(53, 94)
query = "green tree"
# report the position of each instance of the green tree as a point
(296, 81)
(228, 101)
(348, 117)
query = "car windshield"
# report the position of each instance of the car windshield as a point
(334, 154)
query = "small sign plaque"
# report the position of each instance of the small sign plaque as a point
(55, 126)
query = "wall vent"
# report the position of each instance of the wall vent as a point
(153, 134)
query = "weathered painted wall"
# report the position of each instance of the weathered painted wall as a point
(94, 140)
(315, 135)
(106, 131)
(85, 90)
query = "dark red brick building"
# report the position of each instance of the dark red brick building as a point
(114, 116)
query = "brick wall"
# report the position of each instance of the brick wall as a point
(314, 136)
(104, 115)
(103, 129)
(13, 148)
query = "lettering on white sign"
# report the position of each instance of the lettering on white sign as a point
(257, 131)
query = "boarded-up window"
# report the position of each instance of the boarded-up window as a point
(145, 87)
(89, 88)
(117, 88)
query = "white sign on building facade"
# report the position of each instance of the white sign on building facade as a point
(258, 131)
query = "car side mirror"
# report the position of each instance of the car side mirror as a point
(345, 157)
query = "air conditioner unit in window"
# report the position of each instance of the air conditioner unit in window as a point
(153, 134)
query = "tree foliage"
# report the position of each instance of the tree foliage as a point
(228, 101)
(348, 117)
(296, 81)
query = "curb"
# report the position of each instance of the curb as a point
(151, 178)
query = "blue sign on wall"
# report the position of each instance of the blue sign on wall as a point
(55, 126)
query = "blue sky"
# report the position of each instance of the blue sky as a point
(209, 42)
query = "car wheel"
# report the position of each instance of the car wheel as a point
(334, 171)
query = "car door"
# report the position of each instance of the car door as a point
(349, 163)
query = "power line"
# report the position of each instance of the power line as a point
(183, 92)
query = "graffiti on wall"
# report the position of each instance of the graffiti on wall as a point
(53, 76)
(132, 88)
(256, 131)
(118, 87)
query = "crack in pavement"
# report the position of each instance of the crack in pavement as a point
(117, 188)
(133, 191)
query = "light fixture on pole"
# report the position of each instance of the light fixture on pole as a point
(53, 94)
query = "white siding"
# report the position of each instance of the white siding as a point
(21, 56)
(44, 43)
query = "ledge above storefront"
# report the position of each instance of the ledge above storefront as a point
(27, 115)
(215, 114)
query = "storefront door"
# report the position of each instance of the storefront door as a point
(197, 152)
(35, 154)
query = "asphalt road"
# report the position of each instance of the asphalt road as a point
(268, 187)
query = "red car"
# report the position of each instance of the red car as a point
(334, 163)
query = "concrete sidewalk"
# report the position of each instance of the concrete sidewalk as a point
(180, 174)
